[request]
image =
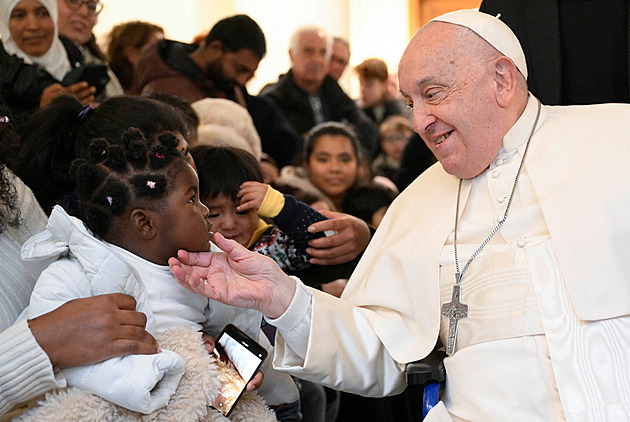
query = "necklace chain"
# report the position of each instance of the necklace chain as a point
(460, 274)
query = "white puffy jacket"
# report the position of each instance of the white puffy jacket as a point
(84, 266)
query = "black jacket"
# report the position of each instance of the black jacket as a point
(341, 108)
(22, 84)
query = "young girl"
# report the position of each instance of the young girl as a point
(331, 160)
(139, 204)
(61, 132)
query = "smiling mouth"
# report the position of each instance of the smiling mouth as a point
(442, 138)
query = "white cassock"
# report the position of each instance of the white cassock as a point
(548, 332)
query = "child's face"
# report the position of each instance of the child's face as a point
(236, 225)
(394, 143)
(333, 165)
(373, 91)
(183, 222)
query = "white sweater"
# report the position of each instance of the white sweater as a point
(25, 370)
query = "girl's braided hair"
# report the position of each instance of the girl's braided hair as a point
(116, 176)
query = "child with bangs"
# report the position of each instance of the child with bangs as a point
(259, 217)
(254, 214)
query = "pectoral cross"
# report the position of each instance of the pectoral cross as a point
(454, 311)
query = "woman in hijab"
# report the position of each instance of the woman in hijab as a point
(34, 59)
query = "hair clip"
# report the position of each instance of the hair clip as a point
(84, 112)
(4, 119)
(158, 155)
(151, 184)
(110, 200)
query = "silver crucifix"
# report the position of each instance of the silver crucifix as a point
(454, 311)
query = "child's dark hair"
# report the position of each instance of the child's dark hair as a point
(222, 170)
(179, 104)
(117, 176)
(331, 129)
(62, 131)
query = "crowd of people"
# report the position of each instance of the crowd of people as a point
(54, 107)
(148, 199)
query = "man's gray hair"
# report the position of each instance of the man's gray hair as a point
(294, 43)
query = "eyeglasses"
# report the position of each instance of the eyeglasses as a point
(93, 6)
(394, 138)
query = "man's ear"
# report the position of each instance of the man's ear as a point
(143, 223)
(505, 77)
(215, 46)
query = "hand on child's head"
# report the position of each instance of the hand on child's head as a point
(251, 195)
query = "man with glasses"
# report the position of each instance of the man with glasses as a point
(77, 18)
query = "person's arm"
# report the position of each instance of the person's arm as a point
(290, 215)
(93, 329)
(315, 325)
(140, 382)
(31, 350)
(25, 370)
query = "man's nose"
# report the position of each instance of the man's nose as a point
(422, 118)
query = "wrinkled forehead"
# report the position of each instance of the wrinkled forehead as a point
(437, 49)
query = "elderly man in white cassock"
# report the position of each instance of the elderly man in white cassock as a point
(513, 252)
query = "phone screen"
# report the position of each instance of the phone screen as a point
(238, 359)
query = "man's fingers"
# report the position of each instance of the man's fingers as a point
(194, 258)
(133, 319)
(256, 381)
(327, 242)
(226, 245)
(341, 259)
(331, 214)
(323, 225)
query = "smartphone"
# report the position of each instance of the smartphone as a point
(93, 73)
(238, 358)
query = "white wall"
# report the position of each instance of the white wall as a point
(374, 28)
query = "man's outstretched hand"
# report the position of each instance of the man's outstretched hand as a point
(236, 277)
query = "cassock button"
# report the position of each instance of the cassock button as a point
(521, 243)
(496, 174)
(499, 161)
(501, 198)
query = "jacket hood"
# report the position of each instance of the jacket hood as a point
(108, 273)
(165, 59)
